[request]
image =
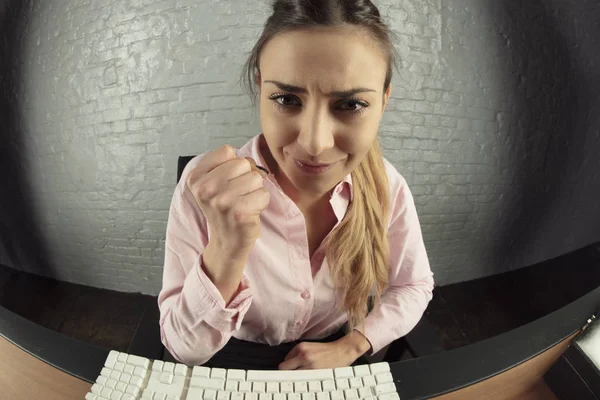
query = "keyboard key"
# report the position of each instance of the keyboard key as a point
(116, 395)
(369, 381)
(355, 383)
(147, 394)
(106, 372)
(125, 378)
(111, 359)
(279, 396)
(111, 383)
(272, 387)
(361, 370)
(181, 370)
(342, 384)
(210, 394)
(384, 378)
(166, 378)
(102, 380)
(287, 387)
(337, 395)
(169, 367)
(119, 366)
(237, 396)
(309, 396)
(231, 386)
(204, 383)
(201, 372)
(96, 388)
(157, 365)
(250, 396)
(136, 381)
(222, 395)
(323, 396)
(351, 394)
(364, 392)
(265, 396)
(385, 388)
(122, 357)
(379, 368)
(236, 375)
(328, 386)
(127, 397)
(314, 386)
(389, 396)
(297, 375)
(259, 387)
(345, 372)
(245, 387)
(294, 396)
(139, 371)
(91, 396)
(132, 390)
(159, 396)
(195, 393)
(128, 369)
(115, 375)
(138, 361)
(218, 373)
(106, 392)
(300, 387)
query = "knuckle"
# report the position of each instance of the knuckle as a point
(256, 179)
(228, 151)
(221, 203)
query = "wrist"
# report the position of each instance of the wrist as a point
(356, 343)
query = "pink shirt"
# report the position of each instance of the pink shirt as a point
(284, 295)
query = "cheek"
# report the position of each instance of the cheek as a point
(358, 140)
(276, 128)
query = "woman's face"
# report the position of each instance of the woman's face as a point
(321, 100)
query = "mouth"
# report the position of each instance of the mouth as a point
(313, 168)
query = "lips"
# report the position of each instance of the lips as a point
(309, 164)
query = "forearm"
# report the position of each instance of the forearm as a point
(223, 270)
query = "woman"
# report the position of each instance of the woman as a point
(277, 270)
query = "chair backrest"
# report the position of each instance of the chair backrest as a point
(181, 163)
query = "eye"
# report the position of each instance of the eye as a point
(285, 100)
(354, 105)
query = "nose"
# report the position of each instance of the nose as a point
(316, 133)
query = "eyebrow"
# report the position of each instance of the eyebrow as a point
(339, 94)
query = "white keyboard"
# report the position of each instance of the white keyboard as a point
(129, 377)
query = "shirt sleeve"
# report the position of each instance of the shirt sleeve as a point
(410, 286)
(195, 322)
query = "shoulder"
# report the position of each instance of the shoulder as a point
(397, 183)
(401, 200)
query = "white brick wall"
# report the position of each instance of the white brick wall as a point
(115, 90)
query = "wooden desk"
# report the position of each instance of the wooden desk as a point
(523, 382)
(25, 377)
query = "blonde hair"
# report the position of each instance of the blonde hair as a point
(358, 248)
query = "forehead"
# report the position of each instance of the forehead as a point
(327, 57)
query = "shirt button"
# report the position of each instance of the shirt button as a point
(305, 295)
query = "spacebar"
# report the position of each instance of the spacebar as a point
(297, 375)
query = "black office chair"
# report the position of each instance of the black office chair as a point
(182, 161)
